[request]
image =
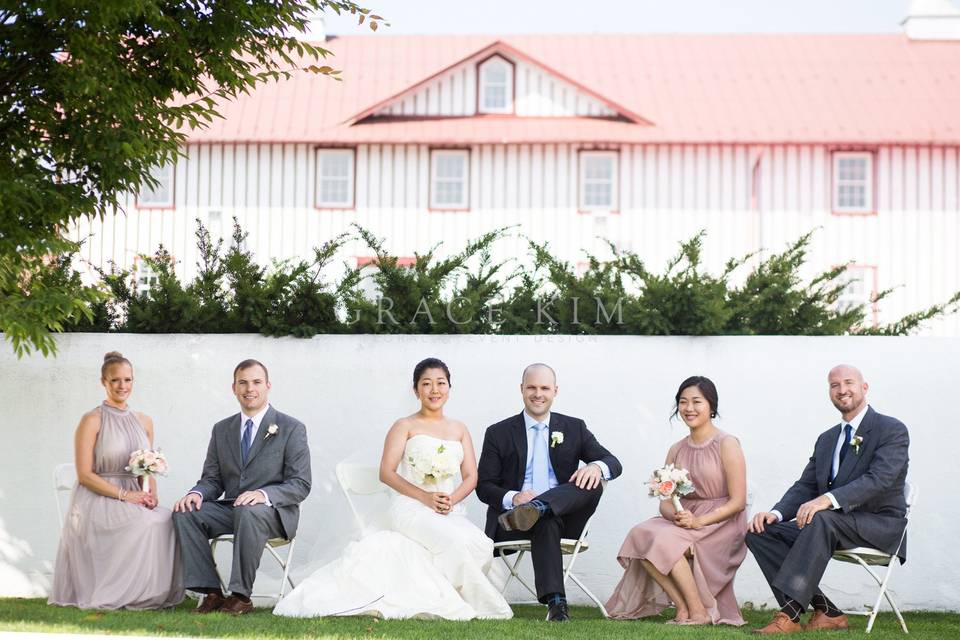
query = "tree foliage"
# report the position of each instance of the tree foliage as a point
(92, 96)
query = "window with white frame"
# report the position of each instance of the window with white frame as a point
(859, 287)
(161, 195)
(335, 178)
(449, 179)
(144, 277)
(853, 182)
(496, 86)
(598, 180)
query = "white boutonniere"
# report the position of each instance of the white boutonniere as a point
(856, 441)
(556, 437)
(271, 431)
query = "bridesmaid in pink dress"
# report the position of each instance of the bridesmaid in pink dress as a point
(117, 549)
(690, 558)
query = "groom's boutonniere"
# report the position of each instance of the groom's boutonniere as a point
(271, 431)
(556, 437)
(856, 441)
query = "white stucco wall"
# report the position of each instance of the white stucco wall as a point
(349, 389)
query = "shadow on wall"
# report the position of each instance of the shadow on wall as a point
(16, 583)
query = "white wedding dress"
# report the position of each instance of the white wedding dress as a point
(425, 565)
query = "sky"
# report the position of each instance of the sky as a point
(629, 16)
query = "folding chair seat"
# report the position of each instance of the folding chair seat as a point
(869, 558)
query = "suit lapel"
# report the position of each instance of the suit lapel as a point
(556, 424)
(269, 418)
(866, 425)
(519, 435)
(233, 439)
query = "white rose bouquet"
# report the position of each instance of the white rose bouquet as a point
(145, 463)
(669, 483)
(434, 465)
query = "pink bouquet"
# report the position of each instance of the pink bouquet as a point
(145, 463)
(669, 483)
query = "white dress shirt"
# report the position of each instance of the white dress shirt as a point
(835, 465)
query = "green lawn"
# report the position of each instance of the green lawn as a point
(36, 615)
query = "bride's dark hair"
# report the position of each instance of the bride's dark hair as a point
(429, 363)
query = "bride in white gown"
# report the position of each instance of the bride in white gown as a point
(432, 562)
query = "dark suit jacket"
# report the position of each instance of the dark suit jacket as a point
(869, 485)
(503, 459)
(280, 465)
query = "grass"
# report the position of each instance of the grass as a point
(36, 615)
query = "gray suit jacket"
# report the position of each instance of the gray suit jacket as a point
(869, 484)
(278, 464)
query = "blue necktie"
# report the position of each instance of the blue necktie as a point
(844, 448)
(540, 465)
(247, 440)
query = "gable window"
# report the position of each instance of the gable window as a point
(449, 179)
(161, 196)
(598, 180)
(335, 181)
(496, 86)
(853, 182)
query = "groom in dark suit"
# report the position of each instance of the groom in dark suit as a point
(528, 476)
(259, 462)
(851, 494)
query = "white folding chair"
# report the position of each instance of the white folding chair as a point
(271, 547)
(362, 480)
(568, 547)
(64, 480)
(869, 558)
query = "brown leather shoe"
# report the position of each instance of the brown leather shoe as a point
(781, 623)
(236, 607)
(210, 603)
(820, 621)
(520, 518)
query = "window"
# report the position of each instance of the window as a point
(449, 179)
(160, 197)
(496, 86)
(335, 169)
(860, 289)
(598, 180)
(368, 266)
(853, 182)
(144, 277)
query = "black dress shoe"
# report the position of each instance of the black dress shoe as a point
(558, 613)
(520, 518)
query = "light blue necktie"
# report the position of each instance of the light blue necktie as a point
(540, 465)
(247, 440)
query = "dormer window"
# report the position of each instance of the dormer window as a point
(496, 86)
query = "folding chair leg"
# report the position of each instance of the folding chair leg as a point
(514, 574)
(884, 593)
(213, 552)
(589, 593)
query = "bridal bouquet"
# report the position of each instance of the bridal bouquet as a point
(432, 465)
(669, 483)
(145, 463)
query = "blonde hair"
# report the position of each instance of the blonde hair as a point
(111, 358)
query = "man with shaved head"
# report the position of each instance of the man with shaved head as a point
(528, 475)
(851, 494)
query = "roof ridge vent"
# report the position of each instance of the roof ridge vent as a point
(932, 20)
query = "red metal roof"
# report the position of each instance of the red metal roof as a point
(687, 88)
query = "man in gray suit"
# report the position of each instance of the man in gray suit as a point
(851, 494)
(259, 462)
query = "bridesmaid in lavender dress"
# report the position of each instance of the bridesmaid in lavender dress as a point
(690, 558)
(117, 548)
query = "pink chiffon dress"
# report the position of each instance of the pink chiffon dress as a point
(113, 554)
(717, 549)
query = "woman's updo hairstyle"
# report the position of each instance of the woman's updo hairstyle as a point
(430, 363)
(706, 387)
(111, 358)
